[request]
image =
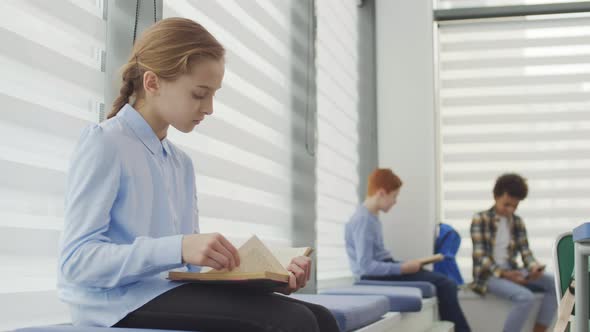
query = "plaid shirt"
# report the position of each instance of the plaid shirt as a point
(483, 235)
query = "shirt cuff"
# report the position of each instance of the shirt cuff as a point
(496, 271)
(395, 269)
(167, 251)
(193, 268)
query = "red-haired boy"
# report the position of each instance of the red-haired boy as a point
(370, 260)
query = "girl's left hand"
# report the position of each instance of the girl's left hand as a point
(299, 273)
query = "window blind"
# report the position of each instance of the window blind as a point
(337, 167)
(51, 88)
(514, 97)
(244, 154)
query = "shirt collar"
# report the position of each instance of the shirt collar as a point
(143, 131)
(366, 211)
(496, 217)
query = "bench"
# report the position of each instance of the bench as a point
(428, 290)
(351, 312)
(401, 299)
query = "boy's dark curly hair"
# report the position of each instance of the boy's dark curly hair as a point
(512, 184)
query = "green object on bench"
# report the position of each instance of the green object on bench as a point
(564, 263)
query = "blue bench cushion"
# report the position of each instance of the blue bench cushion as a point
(401, 299)
(428, 289)
(351, 312)
(70, 328)
(582, 233)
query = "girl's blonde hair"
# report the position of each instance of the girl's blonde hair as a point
(167, 48)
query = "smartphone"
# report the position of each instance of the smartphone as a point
(528, 273)
(542, 268)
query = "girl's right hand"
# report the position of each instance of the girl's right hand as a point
(212, 250)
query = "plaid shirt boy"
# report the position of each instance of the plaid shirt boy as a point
(483, 235)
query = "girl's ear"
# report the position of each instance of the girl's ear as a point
(151, 82)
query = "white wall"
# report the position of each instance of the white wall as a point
(406, 121)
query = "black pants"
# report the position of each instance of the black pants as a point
(205, 308)
(446, 291)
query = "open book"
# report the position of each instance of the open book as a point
(259, 266)
(431, 259)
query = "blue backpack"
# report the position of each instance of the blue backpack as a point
(447, 243)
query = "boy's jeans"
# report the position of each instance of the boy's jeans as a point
(522, 298)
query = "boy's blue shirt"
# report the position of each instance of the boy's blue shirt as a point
(365, 248)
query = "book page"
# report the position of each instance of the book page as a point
(285, 255)
(431, 259)
(255, 257)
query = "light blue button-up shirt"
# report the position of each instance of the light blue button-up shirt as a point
(129, 199)
(365, 248)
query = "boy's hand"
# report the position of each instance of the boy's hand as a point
(514, 276)
(411, 266)
(536, 272)
(212, 250)
(299, 274)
